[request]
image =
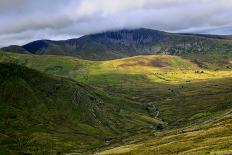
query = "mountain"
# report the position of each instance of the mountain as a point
(149, 104)
(125, 43)
(42, 114)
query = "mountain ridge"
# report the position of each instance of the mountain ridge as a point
(125, 43)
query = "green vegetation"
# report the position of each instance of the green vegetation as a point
(213, 137)
(41, 114)
(176, 86)
(200, 115)
(155, 102)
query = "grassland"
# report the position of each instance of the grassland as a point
(41, 114)
(176, 86)
(180, 91)
(211, 137)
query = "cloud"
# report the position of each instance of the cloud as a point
(27, 20)
(6, 4)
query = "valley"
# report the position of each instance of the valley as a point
(170, 98)
(124, 92)
(115, 77)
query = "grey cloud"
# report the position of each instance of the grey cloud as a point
(27, 20)
(8, 4)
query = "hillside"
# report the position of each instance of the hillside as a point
(153, 94)
(42, 114)
(115, 77)
(213, 137)
(126, 43)
(170, 86)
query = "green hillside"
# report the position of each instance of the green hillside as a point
(43, 114)
(169, 83)
(214, 137)
(154, 93)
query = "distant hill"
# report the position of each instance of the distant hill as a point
(15, 49)
(125, 43)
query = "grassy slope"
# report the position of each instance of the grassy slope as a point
(197, 87)
(213, 137)
(40, 114)
(176, 86)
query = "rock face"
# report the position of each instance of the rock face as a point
(130, 37)
(125, 43)
(36, 46)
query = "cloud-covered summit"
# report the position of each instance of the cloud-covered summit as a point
(27, 20)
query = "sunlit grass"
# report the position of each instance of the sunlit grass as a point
(211, 138)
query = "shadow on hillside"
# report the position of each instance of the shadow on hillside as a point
(211, 61)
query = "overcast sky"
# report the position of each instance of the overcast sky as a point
(22, 21)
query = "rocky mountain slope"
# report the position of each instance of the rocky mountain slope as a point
(125, 43)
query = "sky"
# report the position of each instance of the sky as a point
(22, 21)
